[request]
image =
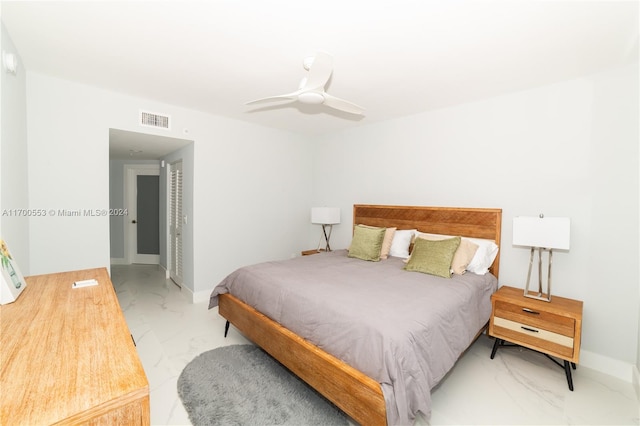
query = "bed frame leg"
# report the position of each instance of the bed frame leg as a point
(226, 329)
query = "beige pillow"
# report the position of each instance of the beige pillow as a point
(433, 257)
(366, 243)
(463, 255)
(386, 242)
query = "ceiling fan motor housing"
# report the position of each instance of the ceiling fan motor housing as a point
(313, 98)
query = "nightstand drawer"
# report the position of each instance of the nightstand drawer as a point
(535, 318)
(533, 337)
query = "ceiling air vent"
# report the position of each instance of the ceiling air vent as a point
(152, 119)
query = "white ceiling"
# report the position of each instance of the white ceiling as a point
(394, 58)
(125, 145)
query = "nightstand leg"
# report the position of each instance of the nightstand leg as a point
(495, 347)
(567, 370)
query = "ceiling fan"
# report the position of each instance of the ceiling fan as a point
(311, 89)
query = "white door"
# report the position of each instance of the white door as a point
(143, 230)
(176, 220)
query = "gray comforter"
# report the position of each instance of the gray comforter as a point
(404, 329)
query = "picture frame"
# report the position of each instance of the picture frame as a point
(12, 283)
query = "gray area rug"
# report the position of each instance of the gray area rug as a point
(243, 385)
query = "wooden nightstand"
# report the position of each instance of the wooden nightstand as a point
(312, 251)
(552, 328)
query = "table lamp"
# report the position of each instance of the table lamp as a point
(327, 217)
(541, 234)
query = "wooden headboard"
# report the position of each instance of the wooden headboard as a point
(467, 222)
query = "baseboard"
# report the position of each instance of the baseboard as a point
(201, 296)
(119, 261)
(604, 364)
(166, 272)
(195, 297)
(636, 381)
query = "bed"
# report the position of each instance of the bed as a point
(379, 371)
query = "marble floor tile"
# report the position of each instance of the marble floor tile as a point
(169, 332)
(517, 387)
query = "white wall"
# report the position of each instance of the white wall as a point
(568, 149)
(636, 372)
(251, 197)
(251, 184)
(14, 226)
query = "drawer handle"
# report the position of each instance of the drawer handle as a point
(529, 329)
(529, 311)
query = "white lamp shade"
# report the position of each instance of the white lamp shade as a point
(325, 215)
(546, 232)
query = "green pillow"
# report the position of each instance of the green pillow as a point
(433, 257)
(367, 243)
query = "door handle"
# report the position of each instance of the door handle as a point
(134, 221)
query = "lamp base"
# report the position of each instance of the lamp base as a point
(540, 294)
(327, 237)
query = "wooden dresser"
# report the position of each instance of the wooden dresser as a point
(67, 357)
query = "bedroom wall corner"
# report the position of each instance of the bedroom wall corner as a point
(2, 30)
(636, 370)
(14, 190)
(636, 381)
(614, 181)
(608, 365)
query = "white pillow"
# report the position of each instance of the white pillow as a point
(484, 257)
(401, 242)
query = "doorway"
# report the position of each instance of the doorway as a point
(133, 150)
(142, 228)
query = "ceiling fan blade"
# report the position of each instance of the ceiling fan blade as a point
(342, 105)
(319, 72)
(288, 97)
